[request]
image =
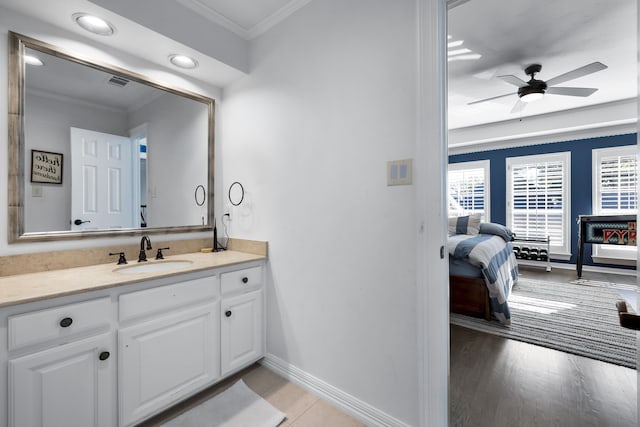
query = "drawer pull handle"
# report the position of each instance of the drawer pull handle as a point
(104, 355)
(66, 322)
(245, 279)
(227, 313)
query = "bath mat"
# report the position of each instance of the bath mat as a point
(238, 406)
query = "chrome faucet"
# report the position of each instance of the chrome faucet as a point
(143, 255)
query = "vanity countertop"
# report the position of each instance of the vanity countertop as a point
(23, 288)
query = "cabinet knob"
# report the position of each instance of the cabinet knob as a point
(104, 355)
(245, 279)
(227, 313)
(66, 322)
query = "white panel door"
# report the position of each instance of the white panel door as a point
(102, 185)
(163, 360)
(242, 332)
(66, 386)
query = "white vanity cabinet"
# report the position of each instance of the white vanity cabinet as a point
(117, 356)
(68, 385)
(242, 326)
(172, 351)
(61, 370)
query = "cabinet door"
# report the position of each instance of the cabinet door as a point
(66, 386)
(242, 330)
(165, 359)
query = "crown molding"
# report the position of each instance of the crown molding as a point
(250, 33)
(613, 118)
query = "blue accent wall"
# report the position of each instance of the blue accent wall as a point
(581, 177)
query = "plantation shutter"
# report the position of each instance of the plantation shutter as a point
(467, 188)
(537, 202)
(616, 192)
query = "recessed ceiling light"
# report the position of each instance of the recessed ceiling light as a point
(183, 61)
(32, 60)
(94, 24)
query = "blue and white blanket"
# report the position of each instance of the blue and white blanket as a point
(495, 258)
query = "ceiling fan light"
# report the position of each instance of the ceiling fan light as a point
(532, 96)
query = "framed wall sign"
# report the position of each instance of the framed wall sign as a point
(46, 167)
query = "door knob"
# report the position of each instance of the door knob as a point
(627, 320)
(104, 355)
(228, 313)
(66, 322)
(79, 221)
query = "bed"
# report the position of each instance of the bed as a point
(482, 269)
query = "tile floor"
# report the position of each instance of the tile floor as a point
(303, 409)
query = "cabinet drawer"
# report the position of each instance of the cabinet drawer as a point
(58, 322)
(248, 278)
(169, 297)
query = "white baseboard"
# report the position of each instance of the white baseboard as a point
(353, 406)
(597, 269)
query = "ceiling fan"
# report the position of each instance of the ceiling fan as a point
(535, 89)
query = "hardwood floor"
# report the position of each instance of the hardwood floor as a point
(498, 382)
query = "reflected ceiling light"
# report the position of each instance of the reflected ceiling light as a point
(94, 24)
(465, 57)
(32, 60)
(183, 61)
(455, 43)
(458, 51)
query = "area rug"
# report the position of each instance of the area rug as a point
(578, 317)
(238, 406)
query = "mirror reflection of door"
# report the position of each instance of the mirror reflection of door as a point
(101, 181)
(138, 137)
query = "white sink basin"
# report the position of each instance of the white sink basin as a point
(153, 267)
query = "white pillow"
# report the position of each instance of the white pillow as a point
(468, 224)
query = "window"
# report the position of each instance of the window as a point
(469, 189)
(538, 199)
(615, 180)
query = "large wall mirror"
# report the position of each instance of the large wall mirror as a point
(95, 150)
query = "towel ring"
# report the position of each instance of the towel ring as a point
(233, 198)
(197, 196)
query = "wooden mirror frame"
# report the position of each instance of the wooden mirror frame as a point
(16, 163)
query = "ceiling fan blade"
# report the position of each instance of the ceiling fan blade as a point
(571, 91)
(510, 78)
(578, 72)
(489, 99)
(519, 106)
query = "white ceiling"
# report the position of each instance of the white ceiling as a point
(559, 35)
(246, 18)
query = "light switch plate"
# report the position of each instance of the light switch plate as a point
(400, 172)
(36, 191)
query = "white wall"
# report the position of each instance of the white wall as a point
(177, 136)
(331, 97)
(11, 21)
